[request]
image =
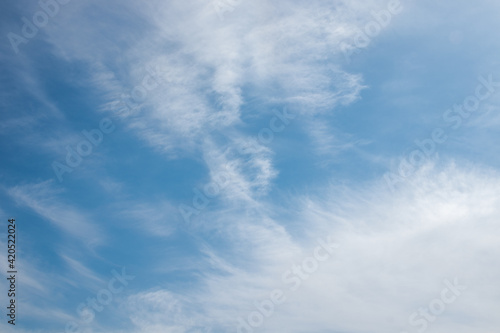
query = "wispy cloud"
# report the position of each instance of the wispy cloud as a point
(385, 269)
(155, 218)
(45, 199)
(214, 86)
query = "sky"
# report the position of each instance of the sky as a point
(250, 166)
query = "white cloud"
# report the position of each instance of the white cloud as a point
(276, 51)
(44, 199)
(395, 252)
(396, 249)
(83, 272)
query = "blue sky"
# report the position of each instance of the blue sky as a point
(251, 166)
